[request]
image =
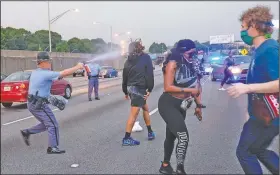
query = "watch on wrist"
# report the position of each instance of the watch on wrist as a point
(199, 106)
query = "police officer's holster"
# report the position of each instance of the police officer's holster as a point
(39, 102)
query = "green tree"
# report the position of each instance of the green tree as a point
(22, 39)
(157, 48)
(34, 43)
(87, 46)
(162, 47)
(13, 39)
(43, 37)
(62, 47)
(73, 44)
(152, 48)
(99, 46)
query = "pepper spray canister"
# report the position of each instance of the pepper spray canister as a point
(87, 69)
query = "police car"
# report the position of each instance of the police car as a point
(14, 88)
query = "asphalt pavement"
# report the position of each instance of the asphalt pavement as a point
(91, 133)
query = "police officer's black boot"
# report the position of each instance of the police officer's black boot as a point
(180, 169)
(55, 150)
(97, 98)
(25, 134)
(89, 99)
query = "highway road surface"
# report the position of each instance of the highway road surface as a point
(91, 133)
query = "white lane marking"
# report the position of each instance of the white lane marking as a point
(153, 111)
(23, 119)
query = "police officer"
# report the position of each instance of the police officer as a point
(39, 90)
(93, 82)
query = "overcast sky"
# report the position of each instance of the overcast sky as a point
(152, 21)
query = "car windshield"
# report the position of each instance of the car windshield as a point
(242, 60)
(218, 61)
(18, 76)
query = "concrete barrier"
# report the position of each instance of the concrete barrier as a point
(16, 60)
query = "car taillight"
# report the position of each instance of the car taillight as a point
(22, 86)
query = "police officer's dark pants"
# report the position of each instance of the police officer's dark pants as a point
(93, 82)
(253, 144)
(47, 122)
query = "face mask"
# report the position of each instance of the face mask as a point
(200, 57)
(249, 39)
(246, 38)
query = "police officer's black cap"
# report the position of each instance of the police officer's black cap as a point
(43, 56)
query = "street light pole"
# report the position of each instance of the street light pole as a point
(53, 20)
(62, 14)
(50, 37)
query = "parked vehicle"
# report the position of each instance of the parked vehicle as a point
(108, 72)
(79, 72)
(3, 76)
(14, 88)
(239, 70)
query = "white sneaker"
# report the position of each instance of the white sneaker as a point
(137, 127)
(222, 89)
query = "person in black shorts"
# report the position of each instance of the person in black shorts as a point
(138, 83)
(180, 84)
(229, 61)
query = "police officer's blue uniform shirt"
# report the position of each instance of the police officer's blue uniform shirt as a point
(94, 68)
(41, 81)
(264, 67)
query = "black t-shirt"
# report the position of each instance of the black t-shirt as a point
(185, 75)
(229, 62)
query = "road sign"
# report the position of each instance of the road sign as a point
(244, 51)
(222, 39)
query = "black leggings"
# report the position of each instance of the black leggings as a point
(227, 75)
(174, 117)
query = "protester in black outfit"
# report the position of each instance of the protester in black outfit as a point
(180, 81)
(138, 83)
(229, 61)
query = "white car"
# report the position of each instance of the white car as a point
(79, 72)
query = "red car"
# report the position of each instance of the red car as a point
(14, 88)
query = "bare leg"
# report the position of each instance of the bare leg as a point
(134, 111)
(146, 115)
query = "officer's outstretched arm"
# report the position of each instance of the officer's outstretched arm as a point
(70, 71)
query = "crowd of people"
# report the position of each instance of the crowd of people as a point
(182, 74)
